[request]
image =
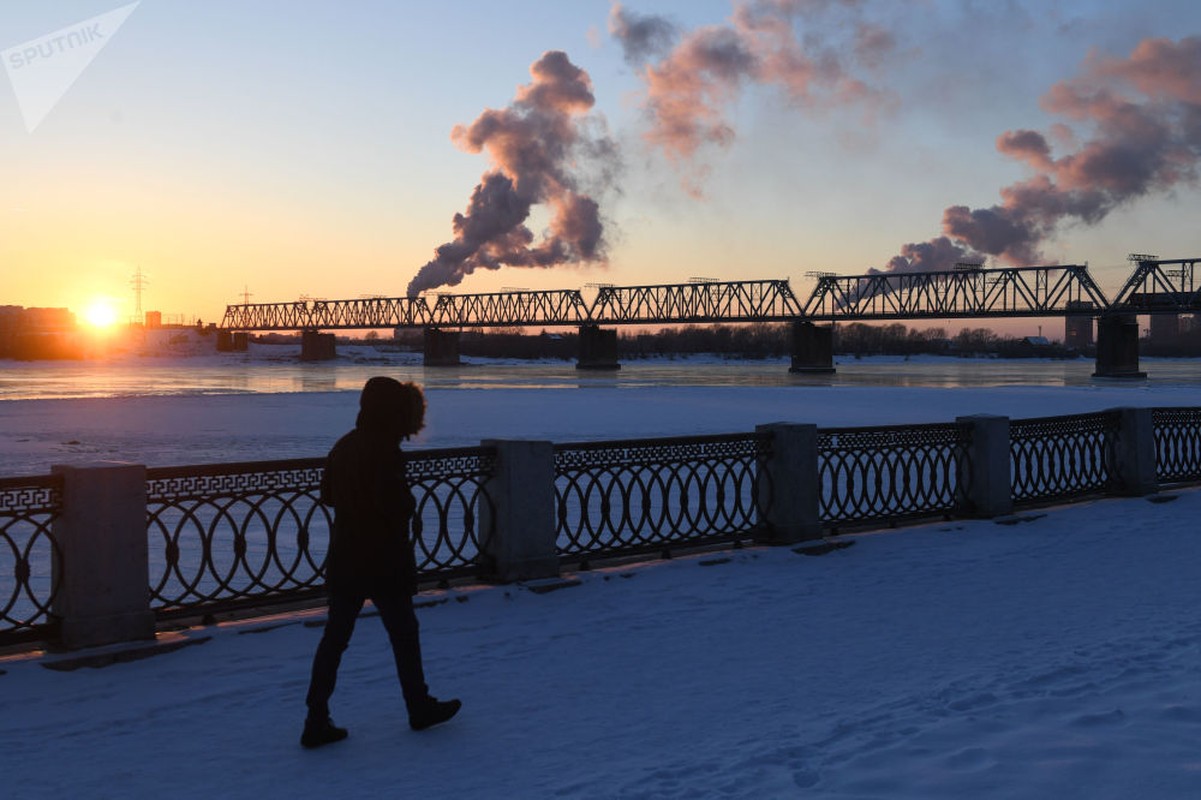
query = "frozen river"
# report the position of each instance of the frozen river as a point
(233, 408)
(277, 369)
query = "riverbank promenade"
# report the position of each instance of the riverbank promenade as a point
(1053, 653)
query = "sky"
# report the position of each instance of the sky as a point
(1054, 657)
(323, 149)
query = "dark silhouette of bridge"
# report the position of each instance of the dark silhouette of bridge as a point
(1155, 286)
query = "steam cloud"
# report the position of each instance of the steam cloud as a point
(699, 75)
(541, 148)
(1143, 114)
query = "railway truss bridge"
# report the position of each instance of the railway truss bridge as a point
(1155, 287)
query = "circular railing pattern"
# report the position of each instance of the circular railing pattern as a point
(1177, 444)
(1055, 458)
(625, 496)
(230, 532)
(28, 552)
(449, 487)
(886, 474)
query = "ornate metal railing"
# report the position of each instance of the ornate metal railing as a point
(888, 474)
(224, 534)
(28, 508)
(642, 495)
(1058, 458)
(255, 533)
(1177, 444)
(230, 535)
(450, 487)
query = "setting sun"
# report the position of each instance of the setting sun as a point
(100, 313)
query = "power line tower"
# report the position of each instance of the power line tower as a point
(246, 295)
(139, 283)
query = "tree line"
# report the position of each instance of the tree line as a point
(751, 341)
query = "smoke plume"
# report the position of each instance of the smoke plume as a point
(811, 49)
(1142, 119)
(542, 148)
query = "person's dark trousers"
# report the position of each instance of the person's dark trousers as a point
(395, 607)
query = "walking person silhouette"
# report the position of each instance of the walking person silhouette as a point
(370, 554)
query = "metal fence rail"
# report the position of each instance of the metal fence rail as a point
(640, 495)
(224, 536)
(233, 534)
(225, 533)
(28, 508)
(1058, 458)
(888, 474)
(1177, 444)
(450, 487)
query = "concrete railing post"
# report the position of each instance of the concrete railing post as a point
(519, 520)
(789, 484)
(102, 577)
(985, 482)
(1134, 454)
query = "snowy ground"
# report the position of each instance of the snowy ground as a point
(1055, 658)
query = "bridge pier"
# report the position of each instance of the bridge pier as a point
(598, 348)
(812, 348)
(1117, 347)
(317, 346)
(441, 348)
(232, 341)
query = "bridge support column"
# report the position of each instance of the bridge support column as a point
(234, 341)
(598, 348)
(1117, 347)
(812, 348)
(441, 348)
(316, 346)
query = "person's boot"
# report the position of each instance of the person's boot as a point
(318, 732)
(431, 711)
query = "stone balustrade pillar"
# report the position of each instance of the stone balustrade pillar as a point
(101, 572)
(984, 479)
(789, 484)
(517, 519)
(1134, 453)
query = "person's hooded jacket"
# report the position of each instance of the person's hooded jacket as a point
(365, 483)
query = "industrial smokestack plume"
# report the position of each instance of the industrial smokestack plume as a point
(1140, 118)
(544, 147)
(817, 51)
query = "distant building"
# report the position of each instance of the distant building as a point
(1165, 328)
(36, 333)
(1078, 329)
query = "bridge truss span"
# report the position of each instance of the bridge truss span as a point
(699, 301)
(1155, 287)
(961, 293)
(1163, 286)
(519, 308)
(370, 312)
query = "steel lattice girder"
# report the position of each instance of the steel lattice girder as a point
(709, 301)
(1153, 288)
(1006, 292)
(554, 307)
(967, 293)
